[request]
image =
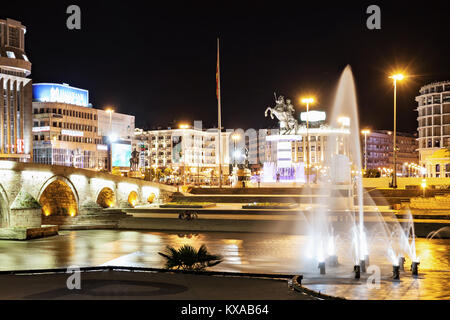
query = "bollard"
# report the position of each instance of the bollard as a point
(401, 263)
(357, 270)
(362, 263)
(322, 267)
(415, 268)
(396, 272)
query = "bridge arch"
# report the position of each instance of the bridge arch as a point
(133, 198)
(106, 197)
(58, 196)
(4, 208)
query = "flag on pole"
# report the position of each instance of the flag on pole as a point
(219, 120)
(218, 73)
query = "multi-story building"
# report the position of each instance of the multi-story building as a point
(433, 124)
(65, 128)
(15, 93)
(380, 146)
(115, 125)
(189, 152)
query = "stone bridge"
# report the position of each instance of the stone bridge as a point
(31, 192)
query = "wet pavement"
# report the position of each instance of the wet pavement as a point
(242, 252)
(119, 285)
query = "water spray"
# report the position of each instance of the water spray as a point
(333, 261)
(401, 263)
(362, 263)
(366, 259)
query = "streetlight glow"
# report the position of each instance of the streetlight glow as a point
(307, 100)
(235, 137)
(183, 126)
(397, 77)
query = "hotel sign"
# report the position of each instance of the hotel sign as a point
(72, 133)
(63, 93)
(313, 116)
(41, 129)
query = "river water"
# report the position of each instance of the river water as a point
(242, 252)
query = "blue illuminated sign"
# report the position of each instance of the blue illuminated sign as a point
(62, 93)
(120, 155)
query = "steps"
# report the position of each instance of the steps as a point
(106, 219)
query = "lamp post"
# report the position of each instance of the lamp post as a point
(110, 111)
(235, 138)
(365, 132)
(307, 101)
(395, 77)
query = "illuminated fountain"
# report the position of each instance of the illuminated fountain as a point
(337, 219)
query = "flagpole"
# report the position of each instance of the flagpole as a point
(219, 114)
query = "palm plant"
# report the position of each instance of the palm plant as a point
(188, 258)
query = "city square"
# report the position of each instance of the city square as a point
(293, 175)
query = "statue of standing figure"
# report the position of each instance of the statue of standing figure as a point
(285, 113)
(134, 160)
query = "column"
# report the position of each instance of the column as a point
(2, 120)
(22, 112)
(8, 116)
(15, 132)
(304, 149)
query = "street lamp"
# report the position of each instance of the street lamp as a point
(424, 186)
(235, 138)
(365, 132)
(395, 77)
(112, 138)
(307, 101)
(110, 111)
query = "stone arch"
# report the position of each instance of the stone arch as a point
(4, 208)
(106, 198)
(133, 198)
(58, 196)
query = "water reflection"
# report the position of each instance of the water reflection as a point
(266, 253)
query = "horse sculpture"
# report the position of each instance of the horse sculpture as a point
(134, 160)
(284, 113)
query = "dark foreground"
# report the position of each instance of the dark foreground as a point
(98, 285)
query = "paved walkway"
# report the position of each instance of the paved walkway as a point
(144, 285)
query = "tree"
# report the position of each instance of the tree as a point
(168, 171)
(190, 259)
(372, 173)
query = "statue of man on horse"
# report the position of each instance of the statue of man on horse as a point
(284, 111)
(134, 160)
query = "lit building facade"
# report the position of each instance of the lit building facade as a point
(380, 146)
(15, 94)
(115, 125)
(65, 128)
(287, 155)
(189, 150)
(433, 122)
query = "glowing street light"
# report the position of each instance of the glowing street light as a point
(395, 77)
(307, 101)
(183, 126)
(424, 186)
(365, 132)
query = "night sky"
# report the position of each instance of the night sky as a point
(158, 61)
